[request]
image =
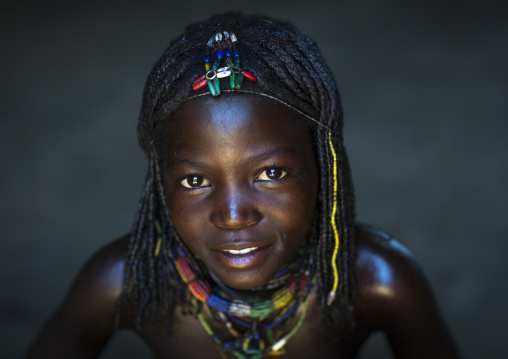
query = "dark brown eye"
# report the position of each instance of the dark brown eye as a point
(271, 174)
(195, 182)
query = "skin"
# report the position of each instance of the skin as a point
(240, 172)
(253, 187)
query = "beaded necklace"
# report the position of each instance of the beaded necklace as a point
(250, 313)
(251, 346)
(202, 290)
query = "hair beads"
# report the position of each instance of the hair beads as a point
(232, 69)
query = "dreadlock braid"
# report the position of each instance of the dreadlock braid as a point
(290, 70)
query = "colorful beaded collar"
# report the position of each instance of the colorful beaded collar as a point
(202, 290)
(251, 345)
(249, 313)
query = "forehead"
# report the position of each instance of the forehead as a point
(241, 117)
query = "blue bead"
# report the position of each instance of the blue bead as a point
(229, 53)
(220, 54)
(208, 59)
(237, 54)
(218, 303)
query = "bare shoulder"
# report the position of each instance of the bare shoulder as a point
(394, 296)
(100, 280)
(385, 269)
(103, 271)
(85, 320)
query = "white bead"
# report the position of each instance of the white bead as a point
(223, 72)
(331, 297)
(279, 344)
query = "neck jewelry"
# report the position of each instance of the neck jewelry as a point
(254, 315)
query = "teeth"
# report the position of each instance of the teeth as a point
(241, 251)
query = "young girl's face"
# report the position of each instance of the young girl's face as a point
(241, 183)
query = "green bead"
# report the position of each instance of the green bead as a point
(235, 72)
(260, 309)
(238, 81)
(269, 335)
(237, 61)
(216, 64)
(211, 87)
(232, 79)
(216, 83)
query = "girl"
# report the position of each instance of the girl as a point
(245, 243)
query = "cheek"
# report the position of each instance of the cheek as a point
(189, 228)
(296, 209)
(183, 214)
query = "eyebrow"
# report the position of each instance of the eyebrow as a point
(186, 162)
(255, 158)
(275, 151)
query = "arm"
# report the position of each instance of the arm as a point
(401, 303)
(85, 321)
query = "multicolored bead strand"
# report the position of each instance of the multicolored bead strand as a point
(282, 342)
(208, 328)
(252, 345)
(214, 72)
(250, 313)
(202, 290)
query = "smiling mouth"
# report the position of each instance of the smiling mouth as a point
(240, 251)
(243, 258)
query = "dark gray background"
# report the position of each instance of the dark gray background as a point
(424, 90)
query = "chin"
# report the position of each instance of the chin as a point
(246, 280)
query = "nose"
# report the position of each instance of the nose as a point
(234, 210)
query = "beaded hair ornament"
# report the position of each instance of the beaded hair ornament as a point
(215, 72)
(280, 311)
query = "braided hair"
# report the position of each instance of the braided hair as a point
(289, 69)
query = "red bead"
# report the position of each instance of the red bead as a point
(198, 85)
(303, 281)
(249, 75)
(200, 289)
(292, 286)
(200, 78)
(184, 267)
(188, 273)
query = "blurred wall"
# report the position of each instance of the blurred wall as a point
(424, 88)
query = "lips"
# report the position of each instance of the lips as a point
(242, 255)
